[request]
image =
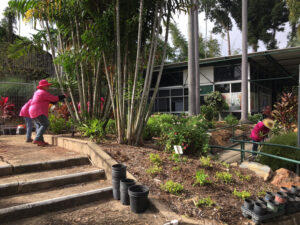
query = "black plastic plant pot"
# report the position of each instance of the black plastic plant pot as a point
(116, 189)
(259, 209)
(261, 201)
(284, 189)
(294, 189)
(118, 171)
(280, 197)
(272, 205)
(124, 185)
(248, 204)
(269, 196)
(6, 131)
(13, 131)
(138, 195)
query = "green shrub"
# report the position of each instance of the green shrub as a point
(241, 194)
(93, 129)
(285, 139)
(255, 118)
(155, 159)
(204, 202)
(208, 112)
(205, 161)
(58, 125)
(111, 127)
(154, 170)
(217, 101)
(224, 176)
(231, 120)
(243, 177)
(226, 165)
(176, 168)
(172, 187)
(177, 158)
(201, 178)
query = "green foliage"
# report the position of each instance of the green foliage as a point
(285, 111)
(226, 165)
(111, 127)
(255, 118)
(172, 187)
(277, 129)
(261, 193)
(155, 159)
(205, 161)
(189, 133)
(289, 139)
(224, 176)
(241, 194)
(231, 120)
(93, 129)
(154, 170)
(176, 168)
(216, 101)
(204, 202)
(243, 177)
(208, 112)
(177, 158)
(58, 125)
(201, 178)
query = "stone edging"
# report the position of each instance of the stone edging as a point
(102, 160)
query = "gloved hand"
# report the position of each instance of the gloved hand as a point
(61, 97)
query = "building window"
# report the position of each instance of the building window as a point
(163, 105)
(227, 73)
(177, 104)
(206, 89)
(164, 93)
(223, 88)
(176, 92)
(168, 78)
(236, 87)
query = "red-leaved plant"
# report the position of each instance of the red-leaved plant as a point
(6, 108)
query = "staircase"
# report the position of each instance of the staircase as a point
(34, 188)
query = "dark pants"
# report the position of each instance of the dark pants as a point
(254, 148)
(43, 122)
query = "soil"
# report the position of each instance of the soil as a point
(227, 206)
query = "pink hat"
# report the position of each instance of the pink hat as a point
(43, 83)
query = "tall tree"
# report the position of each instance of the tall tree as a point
(179, 42)
(294, 18)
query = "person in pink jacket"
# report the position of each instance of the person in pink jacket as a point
(28, 121)
(260, 132)
(38, 109)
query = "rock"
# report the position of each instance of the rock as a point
(235, 164)
(285, 178)
(261, 170)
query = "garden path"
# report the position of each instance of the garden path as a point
(234, 156)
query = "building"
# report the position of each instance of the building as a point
(269, 73)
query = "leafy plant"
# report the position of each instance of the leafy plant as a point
(243, 177)
(154, 170)
(289, 139)
(176, 168)
(206, 161)
(241, 194)
(93, 129)
(231, 120)
(111, 127)
(285, 111)
(224, 176)
(6, 108)
(216, 101)
(62, 111)
(261, 193)
(255, 118)
(208, 112)
(201, 178)
(172, 187)
(155, 159)
(177, 158)
(226, 165)
(204, 202)
(58, 125)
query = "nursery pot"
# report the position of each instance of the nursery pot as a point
(284, 189)
(248, 204)
(269, 196)
(21, 130)
(118, 171)
(280, 198)
(138, 195)
(13, 131)
(261, 201)
(124, 185)
(259, 208)
(6, 131)
(272, 205)
(294, 189)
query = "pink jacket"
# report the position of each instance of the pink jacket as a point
(25, 109)
(258, 131)
(40, 103)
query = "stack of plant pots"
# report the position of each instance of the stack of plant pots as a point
(285, 201)
(127, 191)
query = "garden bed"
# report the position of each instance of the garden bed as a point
(226, 207)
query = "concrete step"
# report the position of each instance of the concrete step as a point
(34, 204)
(50, 182)
(10, 169)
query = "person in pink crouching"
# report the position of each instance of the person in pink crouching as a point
(38, 109)
(28, 121)
(260, 132)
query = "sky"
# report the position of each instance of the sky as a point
(182, 23)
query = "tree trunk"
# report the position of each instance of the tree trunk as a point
(228, 41)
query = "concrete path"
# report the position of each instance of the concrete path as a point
(233, 156)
